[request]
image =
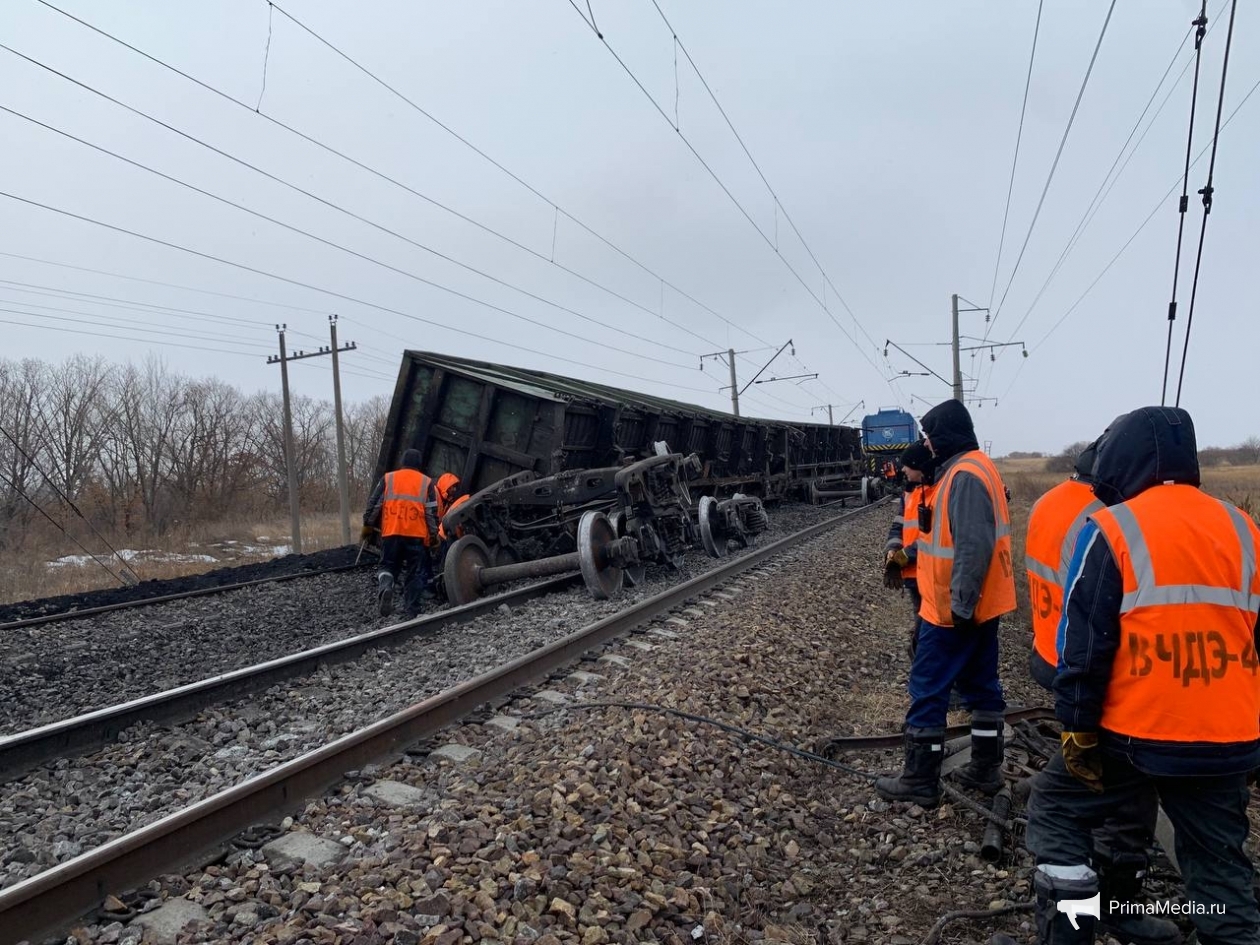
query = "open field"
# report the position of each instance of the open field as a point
(36, 571)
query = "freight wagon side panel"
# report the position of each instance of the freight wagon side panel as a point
(480, 430)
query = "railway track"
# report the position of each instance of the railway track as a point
(49, 900)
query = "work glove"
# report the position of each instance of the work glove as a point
(368, 533)
(1082, 758)
(892, 576)
(898, 557)
(962, 623)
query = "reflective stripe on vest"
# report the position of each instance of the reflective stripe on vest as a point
(910, 527)
(936, 549)
(403, 506)
(1186, 668)
(1054, 525)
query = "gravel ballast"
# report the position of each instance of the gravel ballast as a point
(629, 824)
(63, 808)
(59, 670)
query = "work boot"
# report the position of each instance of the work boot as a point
(1121, 881)
(920, 780)
(385, 593)
(984, 771)
(1054, 926)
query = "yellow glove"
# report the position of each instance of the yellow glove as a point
(368, 533)
(1082, 758)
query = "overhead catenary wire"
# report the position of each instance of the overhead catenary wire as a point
(1200, 25)
(726, 190)
(619, 330)
(28, 201)
(1207, 193)
(1019, 137)
(425, 197)
(1129, 242)
(1053, 167)
(779, 207)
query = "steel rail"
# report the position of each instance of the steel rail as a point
(48, 901)
(164, 598)
(24, 750)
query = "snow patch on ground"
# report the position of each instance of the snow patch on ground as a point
(130, 554)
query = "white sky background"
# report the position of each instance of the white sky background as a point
(887, 131)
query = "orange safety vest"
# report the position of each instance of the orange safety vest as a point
(936, 548)
(402, 512)
(459, 531)
(1054, 523)
(910, 525)
(1186, 668)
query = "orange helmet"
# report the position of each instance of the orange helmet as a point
(447, 483)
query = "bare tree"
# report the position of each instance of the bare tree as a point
(75, 415)
(20, 386)
(365, 432)
(149, 401)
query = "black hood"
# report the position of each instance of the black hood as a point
(918, 456)
(411, 459)
(1144, 448)
(948, 425)
(1085, 462)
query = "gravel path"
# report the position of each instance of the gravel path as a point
(59, 810)
(56, 671)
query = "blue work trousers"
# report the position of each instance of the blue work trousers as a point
(947, 657)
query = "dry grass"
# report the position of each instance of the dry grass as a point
(25, 575)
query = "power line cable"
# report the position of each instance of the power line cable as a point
(169, 285)
(726, 190)
(30, 288)
(425, 197)
(778, 203)
(1019, 136)
(123, 322)
(1200, 25)
(330, 292)
(1053, 167)
(1206, 192)
(334, 206)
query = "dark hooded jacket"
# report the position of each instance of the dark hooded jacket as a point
(972, 517)
(411, 460)
(1142, 449)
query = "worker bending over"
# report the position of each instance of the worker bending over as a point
(403, 507)
(1121, 843)
(965, 579)
(1157, 687)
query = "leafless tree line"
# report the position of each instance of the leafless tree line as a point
(138, 448)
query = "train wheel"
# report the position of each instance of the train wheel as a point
(712, 529)
(461, 573)
(595, 533)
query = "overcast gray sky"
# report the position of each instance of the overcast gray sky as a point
(886, 130)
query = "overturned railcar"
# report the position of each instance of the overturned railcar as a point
(485, 422)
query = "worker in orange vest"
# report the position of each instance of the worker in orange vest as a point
(403, 508)
(1054, 523)
(901, 551)
(1120, 845)
(967, 584)
(1158, 687)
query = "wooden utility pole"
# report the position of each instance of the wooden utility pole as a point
(290, 457)
(958, 388)
(343, 487)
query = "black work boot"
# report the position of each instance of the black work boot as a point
(385, 593)
(1121, 881)
(1055, 924)
(920, 781)
(984, 771)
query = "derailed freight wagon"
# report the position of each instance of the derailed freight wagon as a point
(566, 475)
(485, 422)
